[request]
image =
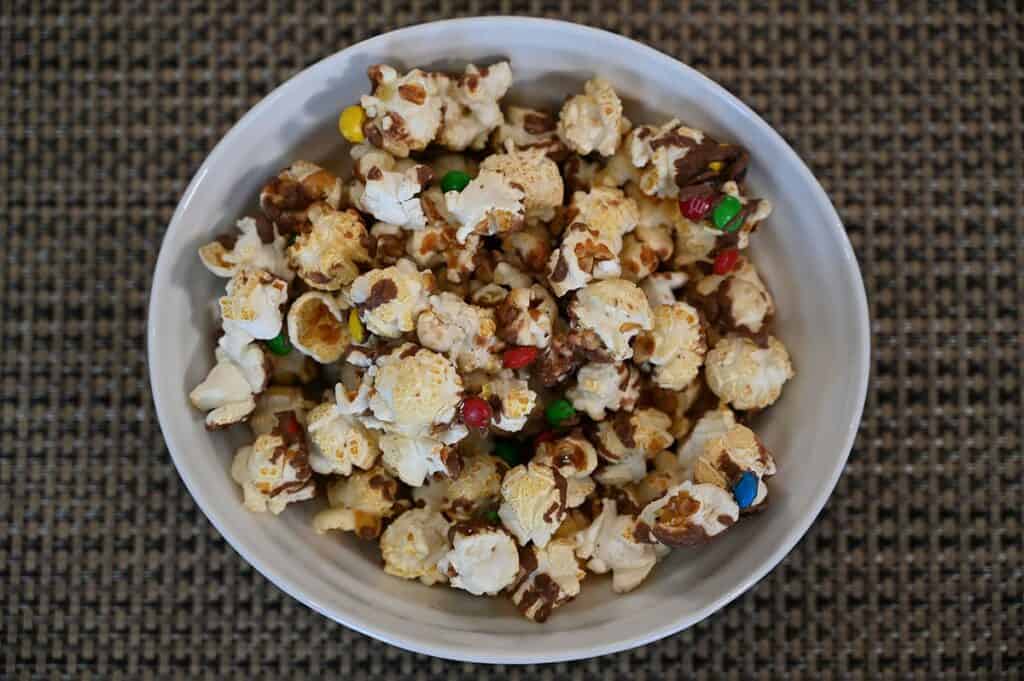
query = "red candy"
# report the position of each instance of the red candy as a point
(519, 357)
(696, 207)
(476, 413)
(726, 261)
(546, 436)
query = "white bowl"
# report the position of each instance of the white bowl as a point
(804, 255)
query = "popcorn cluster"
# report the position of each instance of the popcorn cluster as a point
(515, 347)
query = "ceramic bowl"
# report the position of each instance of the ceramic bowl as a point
(803, 253)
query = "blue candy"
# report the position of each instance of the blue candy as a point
(745, 491)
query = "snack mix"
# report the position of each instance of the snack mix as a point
(514, 347)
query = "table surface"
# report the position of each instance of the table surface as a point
(909, 115)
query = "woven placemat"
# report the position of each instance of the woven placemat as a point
(910, 116)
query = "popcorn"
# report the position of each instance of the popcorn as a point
(548, 578)
(617, 171)
(511, 401)
(653, 240)
(582, 257)
(404, 111)
(327, 256)
(739, 301)
(526, 316)
(317, 327)
(609, 545)
(689, 514)
(338, 441)
(629, 470)
(257, 246)
(729, 456)
(643, 433)
(644, 250)
(413, 544)
(287, 198)
(677, 403)
(666, 475)
(360, 503)
(388, 193)
(694, 242)
(593, 121)
(388, 243)
(477, 488)
(412, 391)
(529, 248)
(604, 387)
(590, 248)
(529, 129)
(275, 405)
(490, 204)
(227, 392)
(675, 347)
(273, 473)
(536, 174)
(390, 299)
(582, 175)
(465, 333)
(471, 110)
(616, 310)
(575, 459)
(572, 455)
(710, 426)
(429, 247)
(533, 502)
(252, 307)
(656, 150)
(414, 459)
(482, 560)
(745, 374)
(660, 287)
(507, 275)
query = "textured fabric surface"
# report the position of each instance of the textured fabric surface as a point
(911, 116)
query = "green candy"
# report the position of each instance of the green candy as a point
(492, 517)
(559, 411)
(280, 345)
(725, 213)
(454, 181)
(507, 451)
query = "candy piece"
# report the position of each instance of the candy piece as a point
(517, 358)
(507, 451)
(726, 261)
(716, 166)
(745, 490)
(492, 517)
(725, 212)
(279, 344)
(476, 413)
(546, 436)
(454, 181)
(350, 123)
(289, 426)
(559, 411)
(696, 207)
(355, 326)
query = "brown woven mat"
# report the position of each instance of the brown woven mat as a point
(911, 117)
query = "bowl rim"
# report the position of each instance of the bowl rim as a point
(504, 655)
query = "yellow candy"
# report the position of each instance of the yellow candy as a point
(716, 166)
(350, 123)
(355, 326)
